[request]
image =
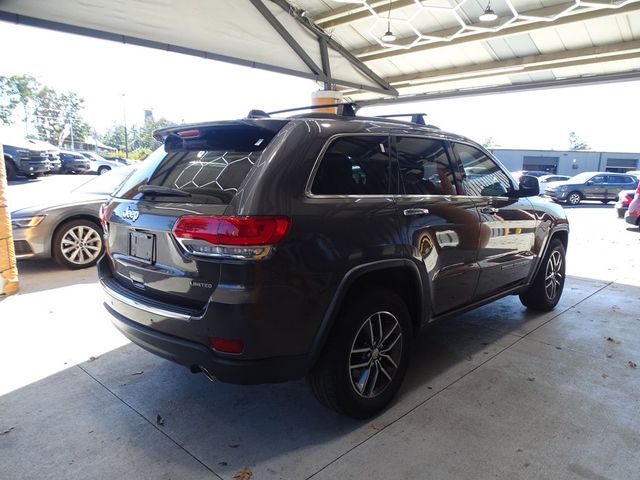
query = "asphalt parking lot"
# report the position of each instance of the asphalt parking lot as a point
(496, 393)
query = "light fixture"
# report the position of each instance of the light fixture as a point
(388, 36)
(489, 15)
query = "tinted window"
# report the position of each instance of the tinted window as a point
(599, 179)
(209, 166)
(424, 167)
(482, 176)
(357, 165)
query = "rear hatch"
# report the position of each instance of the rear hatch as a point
(196, 173)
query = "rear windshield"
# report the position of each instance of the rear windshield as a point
(209, 166)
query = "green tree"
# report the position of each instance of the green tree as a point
(26, 86)
(575, 143)
(146, 132)
(8, 100)
(139, 138)
(53, 110)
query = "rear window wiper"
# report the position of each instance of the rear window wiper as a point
(162, 190)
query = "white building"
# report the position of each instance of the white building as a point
(567, 162)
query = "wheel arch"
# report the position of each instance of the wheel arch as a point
(401, 276)
(561, 234)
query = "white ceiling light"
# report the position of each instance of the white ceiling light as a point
(388, 36)
(489, 15)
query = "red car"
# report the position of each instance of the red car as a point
(633, 213)
(624, 199)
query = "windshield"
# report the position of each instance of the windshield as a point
(581, 177)
(107, 183)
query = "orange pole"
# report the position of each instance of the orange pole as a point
(8, 269)
(326, 97)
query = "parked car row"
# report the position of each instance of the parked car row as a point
(33, 158)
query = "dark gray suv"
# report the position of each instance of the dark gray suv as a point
(266, 249)
(603, 186)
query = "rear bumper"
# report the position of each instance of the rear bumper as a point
(198, 356)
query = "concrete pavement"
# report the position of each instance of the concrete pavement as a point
(496, 393)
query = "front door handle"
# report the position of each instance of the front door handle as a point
(416, 211)
(489, 210)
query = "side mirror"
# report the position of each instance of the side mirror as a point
(528, 187)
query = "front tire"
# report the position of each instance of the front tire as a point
(546, 289)
(77, 244)
(366, 356)
(103, 170)
(11, 169)
(574, 198)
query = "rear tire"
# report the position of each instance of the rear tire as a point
(546, 289)
(11, 169)
(366, 356)
(77, 244)
(574, 198)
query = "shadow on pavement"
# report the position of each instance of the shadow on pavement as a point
(44, 274)
(89, 415)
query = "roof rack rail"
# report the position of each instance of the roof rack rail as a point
(347, 110)
(415, 117)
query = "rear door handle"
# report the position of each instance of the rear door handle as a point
(416, 211)
(489, 210)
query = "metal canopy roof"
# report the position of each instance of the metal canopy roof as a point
(442, 49)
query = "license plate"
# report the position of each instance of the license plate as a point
(142, 245)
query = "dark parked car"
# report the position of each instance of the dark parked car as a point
(263, 250)
(52, 152)
(603, 186)
(74, 162)
(67, 228)
(21, 158)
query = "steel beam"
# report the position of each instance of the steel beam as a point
(288, 38)
(583, 56)
(324, 57)
(536, 85)
(301, 16)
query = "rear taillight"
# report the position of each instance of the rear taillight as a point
(231, 237)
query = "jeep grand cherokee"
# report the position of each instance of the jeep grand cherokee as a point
(268, 249)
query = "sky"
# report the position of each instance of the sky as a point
(117, 80)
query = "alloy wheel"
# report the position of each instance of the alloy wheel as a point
(81, 245)
(375, 354)
(553, 275)
(574, 198)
